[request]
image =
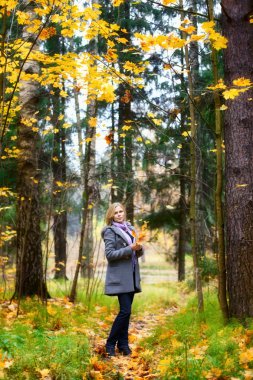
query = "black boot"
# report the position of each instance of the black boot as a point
(110, 350)
(126, 351)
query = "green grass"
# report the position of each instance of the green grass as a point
(188, 345)
(197, 346)
(54, 337)
(44, 338)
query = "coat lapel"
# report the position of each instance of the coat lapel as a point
(119, 232)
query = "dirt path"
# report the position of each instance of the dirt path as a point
(136, 366)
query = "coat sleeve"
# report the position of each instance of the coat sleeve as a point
(111, 252)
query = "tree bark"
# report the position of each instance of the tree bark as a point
(182, 208)
(127, 179)
(29, 269)
(238, 62)
(197, 273)
(90, 192)
(194, 64)
(222, 284)
(59, 174)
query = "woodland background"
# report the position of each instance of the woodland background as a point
(148, 103)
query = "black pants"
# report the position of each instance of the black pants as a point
(119, 331)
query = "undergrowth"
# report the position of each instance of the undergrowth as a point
(196, 346)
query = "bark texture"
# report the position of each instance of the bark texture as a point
(239, 159)
(219, 207)
(59, 174)
(29, 273)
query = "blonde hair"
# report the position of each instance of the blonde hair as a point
(109, 216)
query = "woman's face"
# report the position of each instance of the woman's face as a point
(119, 215)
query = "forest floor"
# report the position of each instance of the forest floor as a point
(133, 367)
(170, 339)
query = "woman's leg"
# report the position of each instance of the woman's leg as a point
(121, 322)
(123, 335)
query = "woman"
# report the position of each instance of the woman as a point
(122, 276)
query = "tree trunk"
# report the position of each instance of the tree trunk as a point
(197, 273)
(182, 208)
(88, 198)
(59, 175)
(127, 180)
(182, 201)
(238, 59)
(194, 64)
(90, 191)
(29, 273)
(121, 147)
(2, 78)
(79, 128)
(113, 158)
(222, 284)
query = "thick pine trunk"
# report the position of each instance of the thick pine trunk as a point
(29, 273)
(238, 58)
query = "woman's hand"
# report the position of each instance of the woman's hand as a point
(136, 247)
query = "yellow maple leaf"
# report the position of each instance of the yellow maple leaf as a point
(197, 37)
(188, 29)
(92, 122)
(126, 127)
(232, 93)
(117, 3)
(167, 2)
(208, 26)
(246, 356)
(44, 373)
(219, 86)
(164, 365)
(122, 40)
(242, 82)
(219, 42)
(186, 133)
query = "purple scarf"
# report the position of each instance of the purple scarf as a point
(126, 231)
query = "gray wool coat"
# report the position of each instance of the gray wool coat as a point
(119, 274)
